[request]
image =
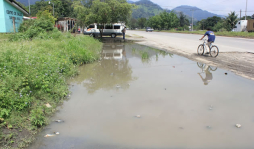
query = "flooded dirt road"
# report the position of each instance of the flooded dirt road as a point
(162, 101)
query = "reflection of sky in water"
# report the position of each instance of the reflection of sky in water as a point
(177, 110)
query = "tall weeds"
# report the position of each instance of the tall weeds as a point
(33, 73)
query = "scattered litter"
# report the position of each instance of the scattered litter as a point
(238, 125)
(49, 135)
(57, 133)
(174, 67)
(129, 84)
(112, 74)
(165, 88)
(208, 127)
(181, 128)
(48, 105)
(118, 86)
(226, 73)
(138, 116)
(59, 121)
(211, 107)
(116, 64)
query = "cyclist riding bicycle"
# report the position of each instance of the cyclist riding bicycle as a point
(211, 38)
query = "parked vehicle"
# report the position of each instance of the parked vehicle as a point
(244, 25)
(250, 26)
(240, 26)
(149, 29)
(108, 30)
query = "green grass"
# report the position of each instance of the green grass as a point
(4, 36)
(224, 33)
(33, 73)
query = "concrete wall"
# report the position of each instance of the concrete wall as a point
(9, 11)
(2, 17)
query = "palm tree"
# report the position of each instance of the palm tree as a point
(231, 20)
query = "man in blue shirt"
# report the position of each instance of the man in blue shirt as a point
(211, 37)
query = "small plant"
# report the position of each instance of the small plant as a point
(145, 55)
(37, 117)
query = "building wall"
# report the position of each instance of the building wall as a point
(9, 12)
(2, 17)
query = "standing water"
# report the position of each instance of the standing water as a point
(137, 97)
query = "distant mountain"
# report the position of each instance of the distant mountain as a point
(145, 9)
(198, 13)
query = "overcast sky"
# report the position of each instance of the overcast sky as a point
(221, 7)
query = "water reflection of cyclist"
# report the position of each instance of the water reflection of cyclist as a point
(208, 76)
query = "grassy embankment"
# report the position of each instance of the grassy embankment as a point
(224, 33)
(32, 74)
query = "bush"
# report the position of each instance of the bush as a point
(30, 29)
(34, 72)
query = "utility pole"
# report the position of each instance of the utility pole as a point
(240, 14)
(246, 9)
(192, 20)
(29, 7)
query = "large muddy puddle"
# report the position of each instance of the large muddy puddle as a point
(137, 97)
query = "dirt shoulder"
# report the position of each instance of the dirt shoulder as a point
(240, 63)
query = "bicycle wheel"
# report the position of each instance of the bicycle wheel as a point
(212, 68)
(200, 50)
(200, 65)
(214, 52)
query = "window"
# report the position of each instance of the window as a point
(235, 27)
(239, 22)
(116, 26)
(91, 26)
(108, 27)
(100, 26)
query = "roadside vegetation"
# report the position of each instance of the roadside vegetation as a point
(34, 66)
(171, 22)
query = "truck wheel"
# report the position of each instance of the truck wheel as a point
(113, 35)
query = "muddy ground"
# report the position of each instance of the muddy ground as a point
(240, 63)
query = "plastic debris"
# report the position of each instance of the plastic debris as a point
(48, 105)
(174, 67)
(226, 73)
(59, 121)
(118, 86)
(238, 125)
(57, 133)
(49, 135)
(165, 88)
(208, 127)
(211, 107)
(138, 116)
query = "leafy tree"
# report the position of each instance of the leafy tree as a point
(133, 23)
(109, 11)
(81, 13)
(141, 22)
(164, 20)
(247, 18)
(62, 8)
(183, 20)
(231, 21)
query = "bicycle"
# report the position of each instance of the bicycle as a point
(213, 51)
(203, 66)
